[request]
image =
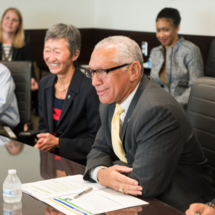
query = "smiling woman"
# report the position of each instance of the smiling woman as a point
(177, 63)
(68, 104)
(13, 46)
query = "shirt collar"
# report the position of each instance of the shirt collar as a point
(125, 105)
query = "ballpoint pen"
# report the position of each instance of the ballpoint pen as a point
(197, 213)
(83, 192)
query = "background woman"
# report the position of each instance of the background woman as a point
(13, 46)
(177, 63)
(68, 103)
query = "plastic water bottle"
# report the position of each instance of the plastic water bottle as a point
(12, 187)
(12, 208)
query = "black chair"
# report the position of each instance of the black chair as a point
(21, 73)
(201, 112)
(210, 65)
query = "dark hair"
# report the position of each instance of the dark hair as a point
(170, 13)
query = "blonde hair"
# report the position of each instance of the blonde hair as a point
(19, 38)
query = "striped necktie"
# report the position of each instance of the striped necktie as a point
(115, 130)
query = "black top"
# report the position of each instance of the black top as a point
(79, 120)
(22, 54)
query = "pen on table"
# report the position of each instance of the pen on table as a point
(83, 192)
(197, 213)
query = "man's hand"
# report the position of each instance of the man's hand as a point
(47, 142)
(201, 208)
(126, 211)
(112, 177)
(34, 85)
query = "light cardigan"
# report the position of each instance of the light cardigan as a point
(184, 65)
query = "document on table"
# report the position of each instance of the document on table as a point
(99, 201)
(60, 192)
(58, 187)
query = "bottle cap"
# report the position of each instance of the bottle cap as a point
(11, 171)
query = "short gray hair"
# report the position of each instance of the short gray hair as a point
(127, 49)
(68, 32)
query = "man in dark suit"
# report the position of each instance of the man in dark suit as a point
(144, 130)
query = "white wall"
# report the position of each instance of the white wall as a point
(41, 14)
(198, 16)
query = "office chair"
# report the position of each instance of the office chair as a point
(210, 65)
(21, 73)
(201, 113)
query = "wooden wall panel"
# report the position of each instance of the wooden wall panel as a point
(91, 36)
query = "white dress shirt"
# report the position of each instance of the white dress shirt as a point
(125, 105)
(9, 112)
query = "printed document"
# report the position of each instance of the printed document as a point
(60, 192)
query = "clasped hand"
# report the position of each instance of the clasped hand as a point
(201, 208)
(47, 142)
(112, 177)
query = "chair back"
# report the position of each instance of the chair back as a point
(201, 113)
(21, 73)
(210, 64)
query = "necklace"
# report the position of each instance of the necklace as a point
(63, 88)
(6, 52)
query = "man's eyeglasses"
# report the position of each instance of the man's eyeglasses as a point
(102, 73)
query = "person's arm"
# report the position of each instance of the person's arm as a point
(158, 149)
(7, 89)
(41, 125)
(194, 64)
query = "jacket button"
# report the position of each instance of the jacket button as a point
(60, 132)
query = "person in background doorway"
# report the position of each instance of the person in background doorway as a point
(177, 63)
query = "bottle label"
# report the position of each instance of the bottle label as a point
(12, 192)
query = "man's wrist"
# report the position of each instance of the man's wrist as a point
(94, 173)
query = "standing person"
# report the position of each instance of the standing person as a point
(68, 103)
(144, 131)
(13, 46)
(177, 63)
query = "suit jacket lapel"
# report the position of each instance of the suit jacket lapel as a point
(49, 101)
(134, 101)
(74, 88)
(110, 114)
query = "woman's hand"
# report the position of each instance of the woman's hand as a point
(201, 208)
(47, 142)
(34, 85)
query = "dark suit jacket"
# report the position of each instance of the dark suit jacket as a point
(79, 120)
(22, 54)
(160, 145)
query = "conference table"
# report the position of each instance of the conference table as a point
(34, 165)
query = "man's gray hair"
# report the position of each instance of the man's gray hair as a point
(68, 32)
(127, 49)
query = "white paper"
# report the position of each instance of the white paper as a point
(60, 192)
(58, 187)
(99, 201)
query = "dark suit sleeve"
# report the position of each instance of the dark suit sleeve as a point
(157, 150)
(102, 153)
(78, 148)
(41, 126)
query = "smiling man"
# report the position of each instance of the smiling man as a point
(146, 145)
